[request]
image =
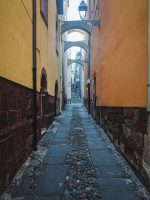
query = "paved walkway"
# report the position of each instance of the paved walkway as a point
(81, 163)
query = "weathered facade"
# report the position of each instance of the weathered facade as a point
(16, 107)
(118, 76)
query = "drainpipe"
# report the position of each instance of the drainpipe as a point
(89, 81)
(34, 140)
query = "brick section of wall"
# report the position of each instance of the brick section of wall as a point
(126, 127)
(16, 126)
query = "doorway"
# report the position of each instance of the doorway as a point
(56, 103)
(94, 96)
(44, 93)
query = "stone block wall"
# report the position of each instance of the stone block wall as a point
(16, 127)
(127, 127)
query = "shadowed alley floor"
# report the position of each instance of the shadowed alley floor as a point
(81, 163)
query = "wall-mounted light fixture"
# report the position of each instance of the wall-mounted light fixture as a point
(83, 8)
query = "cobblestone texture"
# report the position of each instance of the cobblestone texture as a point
(81, 180)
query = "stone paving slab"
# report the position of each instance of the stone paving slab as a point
(21, 189)
(61, 134)
(96, 144)
(50, 181)
(84, 117)
(56, 154)
(112, 184)
(59, 141)
(102, 158)
(88, 126)
(65, 123)
(110, 172)
(69, 115)
(63, 129)
(35, 197)
(54, 160)
(93, 135)
(57, 150)
(119, 195)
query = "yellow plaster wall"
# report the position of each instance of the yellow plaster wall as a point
(53, 61)
(16, 44)
(42, 47)
(16, 41)
(46, 48)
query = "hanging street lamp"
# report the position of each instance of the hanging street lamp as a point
(82, 10)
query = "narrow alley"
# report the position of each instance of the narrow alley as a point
(80, 164)
(75, 100)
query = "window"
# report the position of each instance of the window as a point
(44, 10)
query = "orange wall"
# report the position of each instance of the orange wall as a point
(95, 50)
(122, 57)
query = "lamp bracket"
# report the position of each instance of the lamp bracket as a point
(94, 22)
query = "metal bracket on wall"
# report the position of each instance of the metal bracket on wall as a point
(94, 22)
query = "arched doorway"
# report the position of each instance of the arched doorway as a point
(44, 92)
(56, 111)
(94, 95)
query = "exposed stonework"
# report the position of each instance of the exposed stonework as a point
(127, 127)
(147, 145)
(16, 126)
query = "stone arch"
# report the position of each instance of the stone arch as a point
(81, 34)
(44, 93)
(69, 25)
(81, 62)
(69, 44)
(75, 30)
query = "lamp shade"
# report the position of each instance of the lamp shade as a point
(82, 9)
(79, 55)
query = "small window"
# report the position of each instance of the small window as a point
(44, 10)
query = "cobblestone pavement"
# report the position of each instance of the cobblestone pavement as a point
(81, 180)
(76, 161)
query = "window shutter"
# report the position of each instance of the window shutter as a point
(44, 10)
